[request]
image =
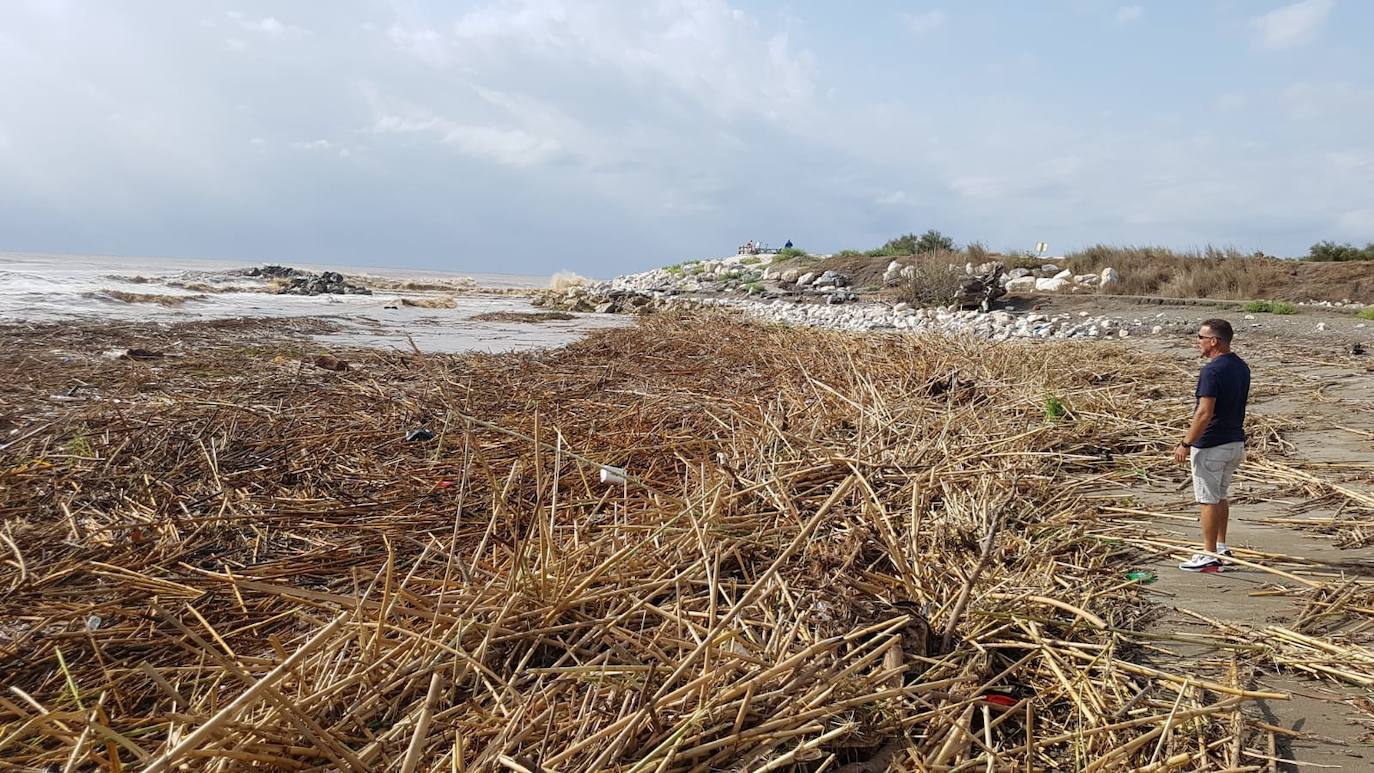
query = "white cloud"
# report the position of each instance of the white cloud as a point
(1292, 25)
(1309, 100)
(508, 146)
(1231, 100)
(313, 145)
(1358, 221)
(701, 50)
(270, 26)
(921, 23)
(425, 43)
(235, 44)
(893, 199)
(1129, 13)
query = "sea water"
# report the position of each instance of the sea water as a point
(83, 288)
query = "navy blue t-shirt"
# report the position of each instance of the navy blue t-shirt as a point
(1227, 378)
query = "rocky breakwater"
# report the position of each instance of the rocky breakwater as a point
(1048, 278)
(291, 281)
(995, 325)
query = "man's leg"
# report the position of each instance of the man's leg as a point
(1213, 518)
(1224, 506)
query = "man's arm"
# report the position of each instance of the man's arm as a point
(1206, 408)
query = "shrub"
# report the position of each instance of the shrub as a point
(1366, 313)
(750, 260)
(675, 269)
(754, 287)
(934, 241)
(1271, 307)
(910, 244)
(977, 253)
(788, 253)
(848, 254)
(1326, 252)
(933, 281)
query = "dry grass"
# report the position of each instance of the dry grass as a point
(1208, 273)
(830, 550)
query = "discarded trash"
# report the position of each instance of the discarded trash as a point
(93, 622)
(444, 484)
(613, 475)
(1000, 699)
(330, 362)
(419, 434)
(1142, 575)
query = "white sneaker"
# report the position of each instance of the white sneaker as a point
(1200, 563)
(1225, 554)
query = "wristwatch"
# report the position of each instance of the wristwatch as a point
(1185, 444)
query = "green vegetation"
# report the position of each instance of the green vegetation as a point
(1330, 252)
(911, 244)
(754, 287)
(1055, 409)
(1366, 313)
(788, 253)
(80, 446)
(750, 260)
(675, 269)
(848, 254)
(1271, 307)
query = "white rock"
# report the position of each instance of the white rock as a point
(806, 279)
(1110, 276)
(1321, 326)
(1249, 316)
(1050, 285)
(1023, 284)
(1156, 330)
(1065, 274)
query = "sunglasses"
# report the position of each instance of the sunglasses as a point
(1199, 335)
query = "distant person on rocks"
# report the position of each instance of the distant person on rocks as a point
(1215, 443)
(787, 246)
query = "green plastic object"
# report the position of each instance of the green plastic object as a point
(1143, 575)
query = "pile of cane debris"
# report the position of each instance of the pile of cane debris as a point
(828, 551)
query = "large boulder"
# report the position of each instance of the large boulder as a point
(1065, 274)
(806, 279)
(1050, 284)
(1021, 284)
(1110, 277)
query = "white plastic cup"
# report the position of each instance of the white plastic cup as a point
(614, 476)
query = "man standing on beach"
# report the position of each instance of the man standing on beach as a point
(1215, 442)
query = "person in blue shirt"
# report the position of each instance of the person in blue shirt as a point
(1215, 443)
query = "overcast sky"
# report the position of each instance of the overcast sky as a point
(606, 136)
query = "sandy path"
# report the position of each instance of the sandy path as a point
(1332, 411)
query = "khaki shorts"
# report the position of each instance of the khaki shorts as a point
(1213, 469)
